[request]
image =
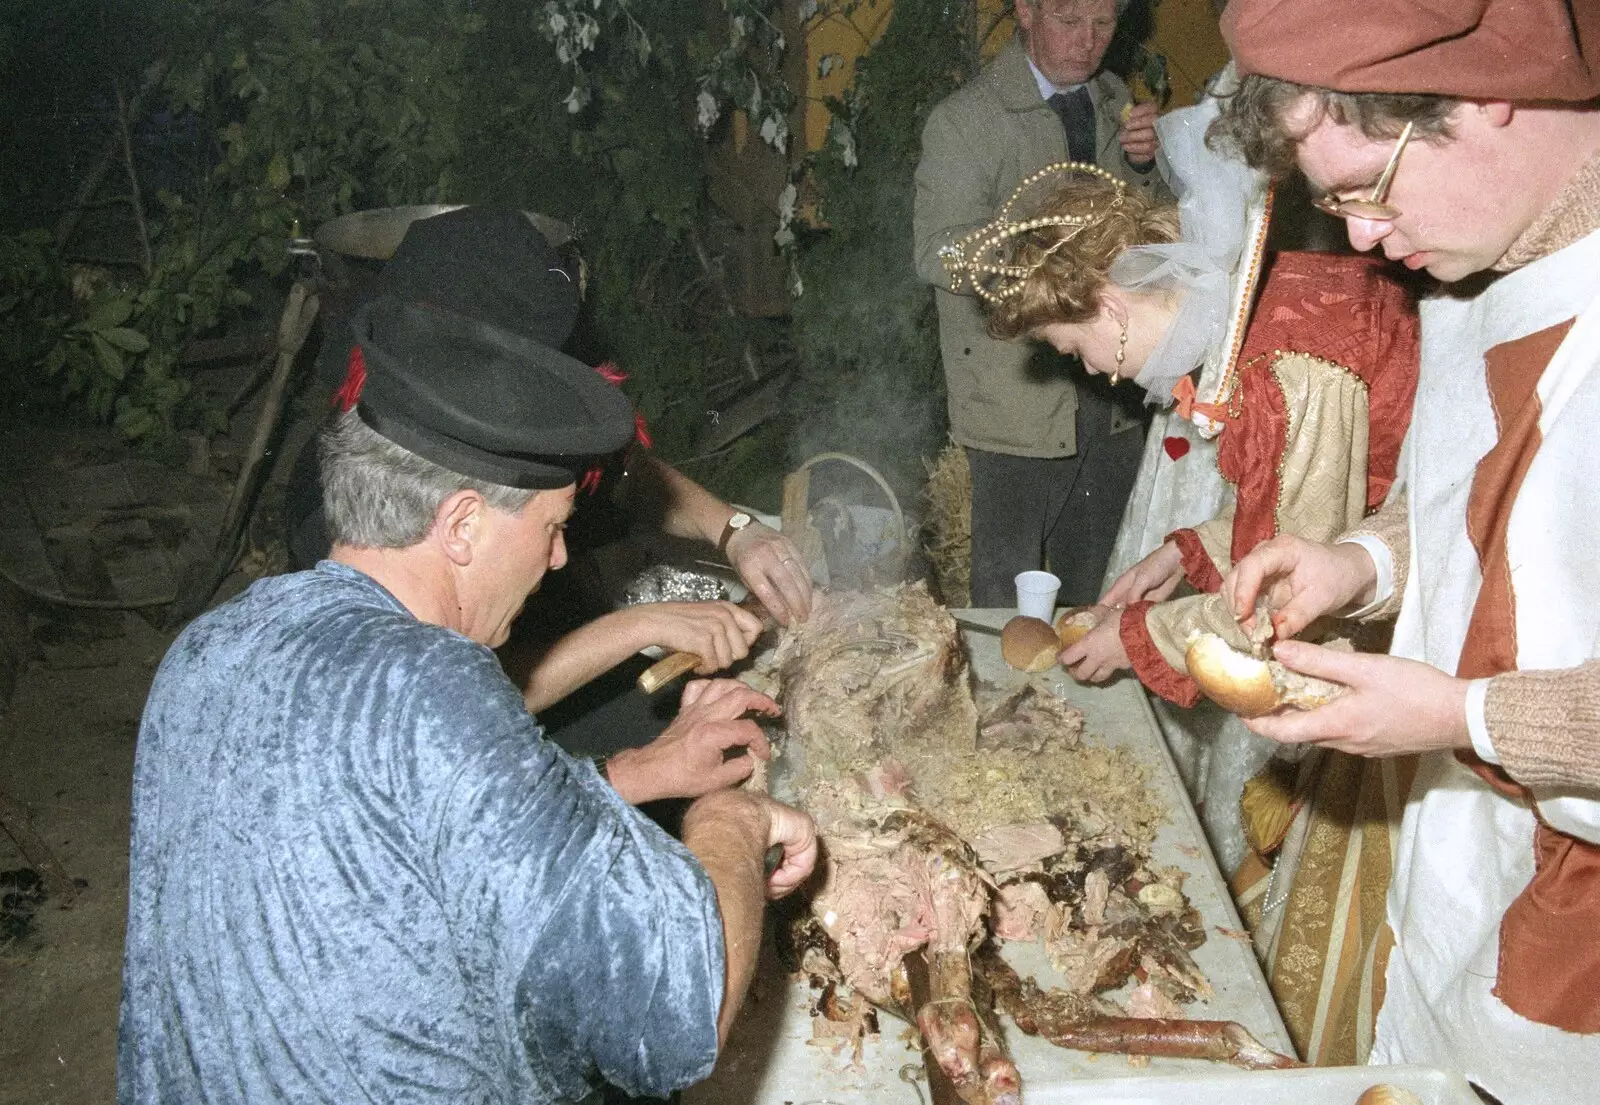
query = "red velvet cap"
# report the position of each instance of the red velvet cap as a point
(1473, 49)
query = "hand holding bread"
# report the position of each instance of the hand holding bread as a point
(1032, 644)
(1251, 687)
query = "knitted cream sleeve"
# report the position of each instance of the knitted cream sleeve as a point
(1391, 525)
(1545, 725)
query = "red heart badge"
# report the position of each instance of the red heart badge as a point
(1176, 447)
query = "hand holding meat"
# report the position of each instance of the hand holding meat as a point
(729, 832)
(771, 566)
(1393, 706)
(796, 834)
(689, 758)
(1151, 580)
(1302, 581)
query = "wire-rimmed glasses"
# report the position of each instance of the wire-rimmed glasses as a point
(1375, 206)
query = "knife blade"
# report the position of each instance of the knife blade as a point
(977, 627)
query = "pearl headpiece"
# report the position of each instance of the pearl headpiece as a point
(979, 260)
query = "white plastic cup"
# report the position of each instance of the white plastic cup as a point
(1036, 594)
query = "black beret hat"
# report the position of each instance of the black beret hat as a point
(489, 263)
(482, 401)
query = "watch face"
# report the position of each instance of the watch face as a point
(736, 524)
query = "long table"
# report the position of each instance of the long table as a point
(770, 1061)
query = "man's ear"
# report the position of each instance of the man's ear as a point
(458, 524)
(1497, 112)
(1025, 14)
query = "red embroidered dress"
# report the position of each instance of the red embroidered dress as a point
(1319, 404)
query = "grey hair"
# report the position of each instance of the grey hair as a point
(1122, 5)
(377, 495)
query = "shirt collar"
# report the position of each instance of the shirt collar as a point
(1046, 89)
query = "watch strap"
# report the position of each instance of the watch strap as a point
(730, 529)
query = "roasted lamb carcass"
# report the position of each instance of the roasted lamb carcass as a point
(945, 830)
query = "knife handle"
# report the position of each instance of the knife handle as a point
(674, 664)
(666, 669)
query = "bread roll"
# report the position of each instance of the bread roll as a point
(1075, 622)
(1029, 644)
(1384, 1094)
(1243, 685)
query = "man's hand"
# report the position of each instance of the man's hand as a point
(1154, 578)
(729, 832)
(1303, 580)
(720, 633)
(689, 758)
(1138, 135)
(796, 834)
(1099, 654)
(774, 570)
(1394, 706)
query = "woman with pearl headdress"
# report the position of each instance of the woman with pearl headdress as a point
(1287, 383)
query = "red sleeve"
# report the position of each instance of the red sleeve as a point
(1198, 567)
(1348, 310)
(1148, 663)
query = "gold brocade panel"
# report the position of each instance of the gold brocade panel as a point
(1326, 956)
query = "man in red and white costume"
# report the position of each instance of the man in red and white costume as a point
(1488, 553)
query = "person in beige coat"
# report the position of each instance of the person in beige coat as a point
(1052, 455)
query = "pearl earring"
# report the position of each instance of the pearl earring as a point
(1122, 355)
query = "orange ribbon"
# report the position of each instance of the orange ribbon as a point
(1188, 406)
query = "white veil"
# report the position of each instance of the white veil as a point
(1223, 207)
(1215, 199)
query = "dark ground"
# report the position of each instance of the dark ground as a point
(72, 686)
(66, 753)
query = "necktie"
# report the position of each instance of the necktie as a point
(1077, 118)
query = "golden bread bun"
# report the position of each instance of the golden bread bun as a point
(1075, 622)
(1243, 685)
(1029, 644)
(1234, 680)
(1387, 1095)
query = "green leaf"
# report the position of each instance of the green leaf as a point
(134, 421)
(110, 359)
(129, 341)
(278, 173)
(107, 313)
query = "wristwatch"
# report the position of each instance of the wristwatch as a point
(738, 522)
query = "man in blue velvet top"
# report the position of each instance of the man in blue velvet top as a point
(359, 872)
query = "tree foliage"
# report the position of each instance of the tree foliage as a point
(303, 110)
(865, 325)
(602, 113)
